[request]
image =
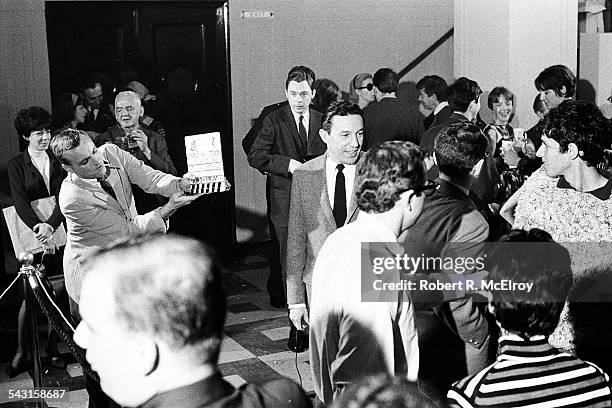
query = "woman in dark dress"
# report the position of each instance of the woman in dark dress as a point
(35, 174)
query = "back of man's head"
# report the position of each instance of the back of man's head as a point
(388, 170)
(530, 257)
(459, 148)
(463, 92)
(169, 288)
(433, 85)
(386, 80)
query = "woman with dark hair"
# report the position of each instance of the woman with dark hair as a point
(68, 111)
(361, 90)
(36, 174)
(326, 92)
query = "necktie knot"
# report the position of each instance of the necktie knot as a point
(340, 167)
(301, 118)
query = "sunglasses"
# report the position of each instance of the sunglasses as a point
(369, 87)
(428, 189)
(609, 99)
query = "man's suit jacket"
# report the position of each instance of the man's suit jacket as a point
(389, 120)
(277, 143)
(95, 219)
(441, 117)
(100, 123)
(27, 185)
(311, 221)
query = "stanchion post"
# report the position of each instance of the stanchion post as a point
(26, 259)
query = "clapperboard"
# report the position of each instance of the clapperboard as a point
(205, 163)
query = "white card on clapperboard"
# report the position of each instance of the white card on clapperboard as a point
(204, 159)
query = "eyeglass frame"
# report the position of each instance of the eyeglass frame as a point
(369, 87)
(609, 99)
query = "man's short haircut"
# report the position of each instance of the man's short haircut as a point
(389, 169)
(554, 77)
(433, 84)
(388, 392)
(497, 93)
(64, 141)
(90, 81)
(458, 148)
(63, 108)
(539, 105)
(32, 119)
(339, 108)
(581, 123)
(462, 93)
(386, 80)
(168, 287)
(541, 261)
(299, 74)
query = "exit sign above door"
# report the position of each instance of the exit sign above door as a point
(257, 14)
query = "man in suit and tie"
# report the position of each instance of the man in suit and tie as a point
(99, 116)
(387, 119)
(289, 136)
(433, 92)
(322, 200)
(455, 334)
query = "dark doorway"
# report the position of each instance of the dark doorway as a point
(179, 50)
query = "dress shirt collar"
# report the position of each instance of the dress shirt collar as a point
(440, 106)
(305, 121)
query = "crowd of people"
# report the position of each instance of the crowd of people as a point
(348, 183)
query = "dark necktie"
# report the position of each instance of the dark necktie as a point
(340, 198)
(302, 131)
(108, 188)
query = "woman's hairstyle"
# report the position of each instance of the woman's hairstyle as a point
(539, 105)
(497, 93)
(357, 82)
(554, 78)
(326, 92)
(63, 108)
(583, 124)
(32, 119)
(533, 257)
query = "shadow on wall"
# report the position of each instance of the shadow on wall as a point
(251, 226)
(585, 91)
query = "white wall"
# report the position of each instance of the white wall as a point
(337, 39)
(24, 67)
(509, 42)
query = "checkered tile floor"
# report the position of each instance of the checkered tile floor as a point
(254, 348)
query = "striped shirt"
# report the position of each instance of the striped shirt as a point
(536, 375)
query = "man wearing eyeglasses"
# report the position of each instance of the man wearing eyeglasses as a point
(142, 143)
(454, 335)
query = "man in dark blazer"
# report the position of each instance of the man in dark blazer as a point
(99, 116)
(456, 334)
(289, 136)
(386, 119)
(464, 101)
(433, 92)
(322, 200)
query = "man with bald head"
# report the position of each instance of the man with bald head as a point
(142, 143)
